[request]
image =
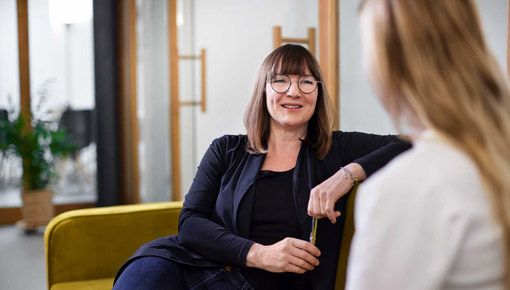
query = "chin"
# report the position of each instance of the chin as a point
(294, 124)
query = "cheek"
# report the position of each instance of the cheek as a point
(272, 98)
(269, 96)
(313, 102)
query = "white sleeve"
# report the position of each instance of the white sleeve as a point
(404, 238)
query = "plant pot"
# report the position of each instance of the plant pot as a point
(37, 209)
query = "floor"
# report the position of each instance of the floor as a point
(22, 262)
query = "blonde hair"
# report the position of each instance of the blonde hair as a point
(431, 61)
(288, 59)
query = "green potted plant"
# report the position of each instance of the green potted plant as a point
(38, 143)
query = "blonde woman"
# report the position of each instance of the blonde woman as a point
(438, 216)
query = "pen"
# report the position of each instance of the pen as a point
(313, 233)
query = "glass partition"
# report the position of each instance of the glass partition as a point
(62, 88)
(10, 167)
(153, 100)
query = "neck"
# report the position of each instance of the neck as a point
(284, 138)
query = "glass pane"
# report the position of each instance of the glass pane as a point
(62, 88)
(10, 167)
(153, 100)
(188, 93)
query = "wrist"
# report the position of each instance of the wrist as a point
(356, 170)
(253, 257)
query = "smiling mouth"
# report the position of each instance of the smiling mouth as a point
(292, 106)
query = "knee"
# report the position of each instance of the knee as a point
(150, 273)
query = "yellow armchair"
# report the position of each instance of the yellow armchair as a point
(85, 248)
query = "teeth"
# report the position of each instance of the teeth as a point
(291, 107)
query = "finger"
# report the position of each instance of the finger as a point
(301, 263)
(317, 205)
(306, 257)
(330, 211)
(306, 246)
(294, 269)
(310, 205)
(323, 203)
(312, 202)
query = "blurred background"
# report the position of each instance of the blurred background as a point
(142, 87)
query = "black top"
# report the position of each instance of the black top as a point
(214, 225)
(273, 218)
(274, 214)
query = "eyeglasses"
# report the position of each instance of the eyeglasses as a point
(306, 83)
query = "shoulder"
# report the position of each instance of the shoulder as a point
(354, 134)
(355, 137)
(227, 149)
(229, 142)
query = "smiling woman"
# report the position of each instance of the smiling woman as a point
(246, 220)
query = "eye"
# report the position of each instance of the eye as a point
(307, 82)
(279, 81)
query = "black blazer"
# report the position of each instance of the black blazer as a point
(214, 223)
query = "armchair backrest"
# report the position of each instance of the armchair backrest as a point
(345, 246)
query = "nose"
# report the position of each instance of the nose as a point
(294, 91)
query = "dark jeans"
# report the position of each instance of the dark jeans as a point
(161, 274)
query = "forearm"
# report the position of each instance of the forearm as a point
(371, 161)
(213, 241)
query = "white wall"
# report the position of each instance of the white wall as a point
(494, 22)
(359, 108)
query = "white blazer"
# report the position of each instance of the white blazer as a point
(424, 222)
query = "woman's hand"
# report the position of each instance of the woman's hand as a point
(287, 255)
(324, 196)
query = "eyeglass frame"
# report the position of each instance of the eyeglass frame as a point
(290, 85)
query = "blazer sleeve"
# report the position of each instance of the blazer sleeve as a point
(368, 150)
(197, 231)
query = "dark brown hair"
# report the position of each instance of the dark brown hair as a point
(288, 59)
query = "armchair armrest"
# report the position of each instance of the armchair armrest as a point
(92, 244)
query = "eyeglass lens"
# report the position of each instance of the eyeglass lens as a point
(306, 83)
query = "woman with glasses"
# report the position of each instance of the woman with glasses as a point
(246, 219)
(438, 216)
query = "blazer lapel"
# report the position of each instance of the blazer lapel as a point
(303, 182)
(245, 190)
